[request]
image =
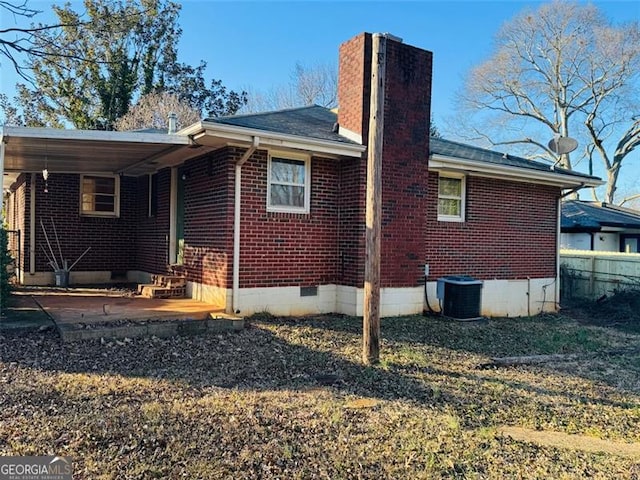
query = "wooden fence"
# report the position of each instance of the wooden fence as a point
(592, 275)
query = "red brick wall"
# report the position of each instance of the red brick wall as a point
(208, 222)
(405, 164)
(509, 232)
(351, 239)
(354, 84)
(16, 220)
(285, 249)
(277, 249)
(407, 111)
(152, 233)
(112, 240)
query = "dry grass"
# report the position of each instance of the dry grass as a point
(288, 398)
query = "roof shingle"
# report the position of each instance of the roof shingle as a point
(313, 121)
(319, 122)
(580, 215)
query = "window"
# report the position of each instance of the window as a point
(153, 195)
(451, 190)
(99, 195)
(288, 185)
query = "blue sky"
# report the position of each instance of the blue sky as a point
(256, 44)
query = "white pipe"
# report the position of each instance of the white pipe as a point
(32, 225)
(529, 297)
(236, 223)
(558, 238)
(173, 122)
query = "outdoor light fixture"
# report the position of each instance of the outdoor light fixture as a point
(45, 171)
(45, 176)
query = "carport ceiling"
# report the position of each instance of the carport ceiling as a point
(78, 151)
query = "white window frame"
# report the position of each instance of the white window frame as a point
(307, 182)
(463, 193)
(116, 196)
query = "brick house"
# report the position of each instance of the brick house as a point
(266, 211)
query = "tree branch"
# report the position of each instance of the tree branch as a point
(629, 199)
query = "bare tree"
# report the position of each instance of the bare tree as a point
(17, 41)
(14, 40)
(152, 111)
(317, 84)
(308, 85)
(561, 70)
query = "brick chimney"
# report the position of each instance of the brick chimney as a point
(405, 154)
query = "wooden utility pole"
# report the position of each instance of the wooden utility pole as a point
(371, 310)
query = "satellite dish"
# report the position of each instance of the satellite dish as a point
(562, 145)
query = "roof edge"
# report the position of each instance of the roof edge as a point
(510, 172)
(92, 135)
(235, 133)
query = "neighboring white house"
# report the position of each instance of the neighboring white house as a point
(599, 227)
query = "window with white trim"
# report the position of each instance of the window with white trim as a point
(288, 187)
(451, 197)
(100, 195)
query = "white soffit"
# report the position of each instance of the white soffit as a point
(32, 149)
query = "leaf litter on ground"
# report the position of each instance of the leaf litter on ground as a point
(289, 398)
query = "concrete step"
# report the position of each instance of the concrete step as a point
(158, 291)
(214, 322)
(168, 280)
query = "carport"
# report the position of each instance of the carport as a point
(47, 151)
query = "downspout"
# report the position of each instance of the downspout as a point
(32, 224)
(558, 237)
(572, 191)
(236, 222)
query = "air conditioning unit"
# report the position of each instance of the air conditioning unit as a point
(460, 297)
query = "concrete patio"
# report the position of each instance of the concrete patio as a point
(92, 312)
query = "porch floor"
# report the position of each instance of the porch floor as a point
(91, 312)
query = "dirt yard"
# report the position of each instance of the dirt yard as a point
(289, 398)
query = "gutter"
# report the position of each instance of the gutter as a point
(507, 172)
(236, 222)
(231, 133)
